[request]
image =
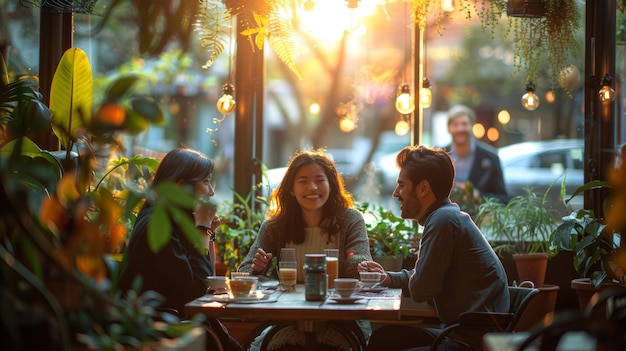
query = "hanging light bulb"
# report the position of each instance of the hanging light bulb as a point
(402, 127)
(226, 103)
(530, 100)
(447, 5)
(607, 94)
(426, 95)
(405, 103)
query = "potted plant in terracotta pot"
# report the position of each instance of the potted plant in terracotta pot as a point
(521, 227)
(598, 252)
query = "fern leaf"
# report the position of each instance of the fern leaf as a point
(280, 39)
(212, 24)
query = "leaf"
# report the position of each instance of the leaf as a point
(148, 109)
(120, 87)
(594, 184)
(174, 193)
(71, 94)
(213, 21)
(159, 228)
(280, 39)
(186, 224)
(4, 72)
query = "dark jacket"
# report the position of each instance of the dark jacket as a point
(178, 271)
(486, 173)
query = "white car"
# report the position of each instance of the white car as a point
(537, 165)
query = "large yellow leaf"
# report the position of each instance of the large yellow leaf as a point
(71, 94)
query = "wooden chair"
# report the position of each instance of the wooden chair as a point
(484, 322)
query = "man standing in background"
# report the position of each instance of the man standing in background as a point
(474, 160)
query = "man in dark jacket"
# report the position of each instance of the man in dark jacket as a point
(456, 268)
(474, 160)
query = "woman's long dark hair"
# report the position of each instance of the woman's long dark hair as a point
(286, 216)
(183, 165)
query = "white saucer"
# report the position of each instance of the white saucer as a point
(345, 300)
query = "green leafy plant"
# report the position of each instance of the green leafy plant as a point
(64, 211)
(584, 234)
(551, 32)
(241, 220)
(465, 199)
(389, 235)
(592, 242)
(523, 225)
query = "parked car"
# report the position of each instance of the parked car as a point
(534, 164)
(539, 164)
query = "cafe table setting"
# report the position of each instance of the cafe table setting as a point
(264, 301)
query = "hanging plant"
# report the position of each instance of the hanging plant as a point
(62, 6)
(552, 34)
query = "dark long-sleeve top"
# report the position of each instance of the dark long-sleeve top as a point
(456, 267)
(486, 173)
(353, 244)
(178, 271)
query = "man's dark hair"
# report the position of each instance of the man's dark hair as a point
(433, 165)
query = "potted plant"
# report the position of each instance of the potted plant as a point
(391, 238)
(598, 252)
(521, 227)
(62, 214)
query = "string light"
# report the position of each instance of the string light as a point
(226, 103)
(447, 5)
(405, 104)
(607, 94)
(426, 95)
(530, 100)
(402, 127)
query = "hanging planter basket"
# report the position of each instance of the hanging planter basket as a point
(62, 6)
(526, 8)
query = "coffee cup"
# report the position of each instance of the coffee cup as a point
(217, 284)
(370, 278)
(345, 287)
(242, 286)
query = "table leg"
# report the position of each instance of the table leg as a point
(310, 330)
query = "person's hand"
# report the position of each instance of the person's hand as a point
(206, 215)
(370, 266)
(260, 260)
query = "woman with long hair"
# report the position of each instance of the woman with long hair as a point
(312, 211)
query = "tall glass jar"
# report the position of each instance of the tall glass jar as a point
(315, 277)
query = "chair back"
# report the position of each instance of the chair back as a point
(519, 299)
(609, 303)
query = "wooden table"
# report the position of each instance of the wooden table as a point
(308, 315)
